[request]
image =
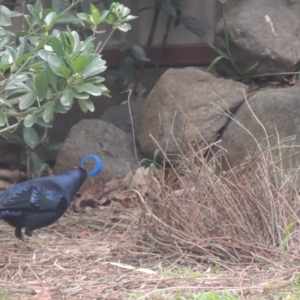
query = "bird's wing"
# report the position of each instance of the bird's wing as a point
(30, 198)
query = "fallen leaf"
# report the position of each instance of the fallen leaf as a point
(143, 179)
(81, 232)
(42, 295)
(126, 201)
(89, 197)
(114, 189)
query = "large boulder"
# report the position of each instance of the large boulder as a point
(274, 116)
(102, 139)
(185, 105)
(263, 32)
(123, 116)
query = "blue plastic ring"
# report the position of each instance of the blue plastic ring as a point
(98, 164)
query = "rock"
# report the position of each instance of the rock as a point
(185, 106)
(100, 138)
(119, 116)
(278, 111)
(252, 39)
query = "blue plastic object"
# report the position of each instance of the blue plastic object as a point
(98, 164)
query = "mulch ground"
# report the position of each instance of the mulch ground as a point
(95, 255)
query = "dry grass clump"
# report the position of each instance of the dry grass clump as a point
(248, 213)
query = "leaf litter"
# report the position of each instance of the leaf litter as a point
(95, 251)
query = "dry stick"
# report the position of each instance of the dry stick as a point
(132, 125)
(262, 153)
(271, 198)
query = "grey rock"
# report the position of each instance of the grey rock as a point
(185, 106)
(278, 111)
(252, 39)
(119, 115)
(102, 139)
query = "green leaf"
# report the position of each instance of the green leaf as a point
(80, 63)
(52, 78)
(84, 7)
(6, 14)
(66, 98)
(20, 33)
(129, 18)
(138, 52)
(88, 88)
(59, 108)
(124, 27)
(57, 46)
(30, 137)
(15, 139)
(39, 7)
(48, 112)
(61, 84)
(178, 3)
(4, 101)
(30, 22)
(11, 54)
(20, 49)
(251, 68)
(60, 5)
(50, 20)
(95, 13)
(55, 65)
(220, 52)
(95, 67)
(75, 39)
(86, 105)
(103, 16)
(80, 95)
(41, 123)
(2, 118)
(22, 58)
(66, 72)
(96, 79)
(86, 48)
(125, 10)
(27, 100)
(193, 25)
(4, 19)
(41, 84)
(226, 32)
(85, 17)
(68, 18)
(10, 4)
(44, 54)
(213, 63)
(30, 120)
(5, 37)
(38, 164)
(42, 43)
(34, 11)
(168, 7)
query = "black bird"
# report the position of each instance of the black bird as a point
(40, 202)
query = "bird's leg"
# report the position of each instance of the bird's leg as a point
(28, 231)
(18, 233)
